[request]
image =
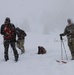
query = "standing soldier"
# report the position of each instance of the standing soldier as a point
(69, 32)
(21, 38)
(9, 33)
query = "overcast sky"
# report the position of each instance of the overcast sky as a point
(52, 13)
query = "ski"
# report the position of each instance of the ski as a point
(61, 61)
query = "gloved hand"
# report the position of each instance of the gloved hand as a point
(61, 36)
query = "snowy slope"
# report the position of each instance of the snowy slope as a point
(31, 63)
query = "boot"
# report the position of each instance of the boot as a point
(22, 51)
(72, 57)
(6, 57)
(16, 57)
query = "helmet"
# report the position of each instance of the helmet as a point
(7, 20)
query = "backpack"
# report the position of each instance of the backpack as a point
(9, 32)
(41, 50)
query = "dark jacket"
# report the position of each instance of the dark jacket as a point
(20, 34)
(8, 32)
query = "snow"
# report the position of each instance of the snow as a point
(31, 63)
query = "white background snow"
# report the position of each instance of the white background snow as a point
(43, 21)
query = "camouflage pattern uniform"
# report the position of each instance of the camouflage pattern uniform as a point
(21, 39)
(20, 45)
(69, 32)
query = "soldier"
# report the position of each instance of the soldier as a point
(21, 38)
(69, 32)
(9, 35)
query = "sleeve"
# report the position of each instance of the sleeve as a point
(65, 31)
(25, 34)
(2, 30)
(68, 31)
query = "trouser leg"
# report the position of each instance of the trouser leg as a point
(72, 54)
(6, 46)
(14, 51)
(20, 45)
(71, 47)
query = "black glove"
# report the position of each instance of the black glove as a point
(61, 36)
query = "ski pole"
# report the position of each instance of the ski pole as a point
(64, 49)
(61, 51)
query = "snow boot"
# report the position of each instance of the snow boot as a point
(16, 57)
(72, 58)
(6, 57)
(22, 51)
